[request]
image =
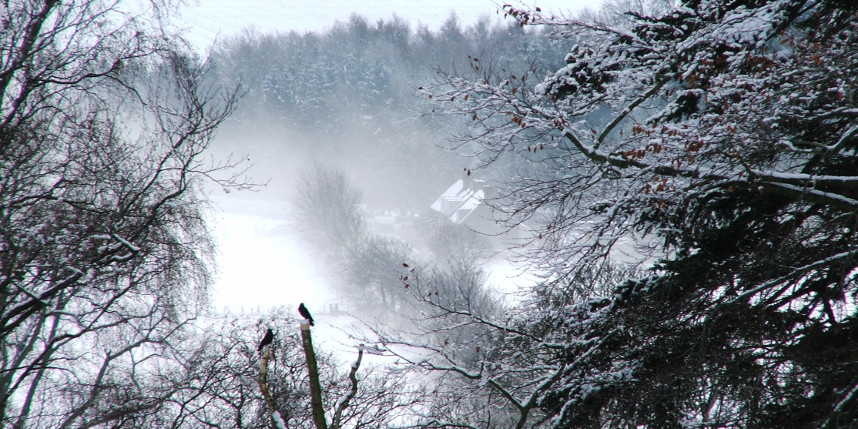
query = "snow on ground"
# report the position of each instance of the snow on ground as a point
(507, 278)
(261, 263)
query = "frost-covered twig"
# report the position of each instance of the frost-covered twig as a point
(343, 402)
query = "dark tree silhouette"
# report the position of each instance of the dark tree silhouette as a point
(305, 313)
(725, 138)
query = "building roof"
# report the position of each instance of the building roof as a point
(460, 200)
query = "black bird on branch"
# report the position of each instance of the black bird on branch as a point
(266, 340)
(305, 313)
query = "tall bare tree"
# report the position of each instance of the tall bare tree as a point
(104, 254)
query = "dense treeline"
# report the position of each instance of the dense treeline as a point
(348, 96)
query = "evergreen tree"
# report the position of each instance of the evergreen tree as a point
(719, 140)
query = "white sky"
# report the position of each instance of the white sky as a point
(207, 20)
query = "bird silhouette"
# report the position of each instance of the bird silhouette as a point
(305, 313)
(266, 340)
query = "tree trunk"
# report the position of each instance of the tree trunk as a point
(315, 387)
